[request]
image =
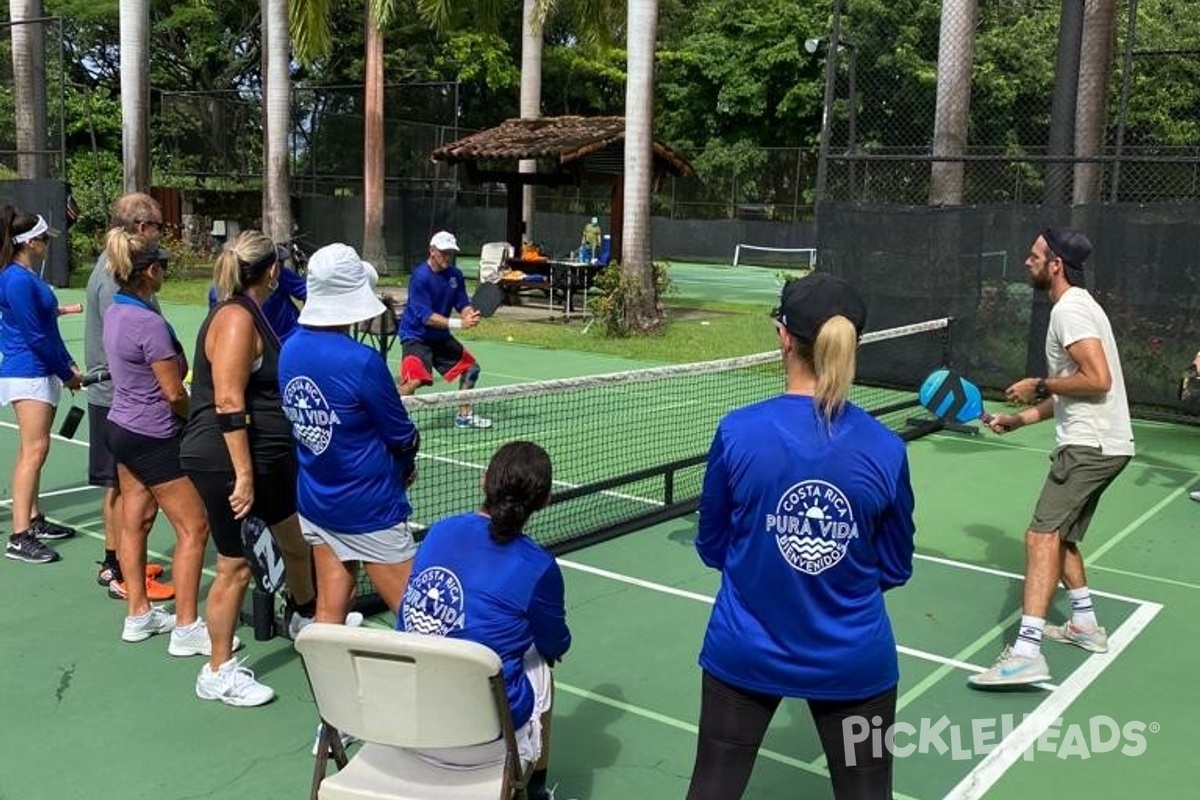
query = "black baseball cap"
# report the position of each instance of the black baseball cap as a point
(148, 258)
(1072, 247)
(806, 304)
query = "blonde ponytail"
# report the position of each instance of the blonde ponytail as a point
(834, 362)
(121, 250)
(242, 264)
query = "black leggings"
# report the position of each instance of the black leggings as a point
(734, 721)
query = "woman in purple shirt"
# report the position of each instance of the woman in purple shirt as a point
(149, 407)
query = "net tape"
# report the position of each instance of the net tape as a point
(484, 395)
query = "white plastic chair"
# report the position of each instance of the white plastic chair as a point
(394, 690)
(491, 261)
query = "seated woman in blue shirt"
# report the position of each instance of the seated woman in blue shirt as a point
(806, 510)
(478, 577)
(34, 366)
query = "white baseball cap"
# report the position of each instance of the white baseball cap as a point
(341, 288)
(444, 240)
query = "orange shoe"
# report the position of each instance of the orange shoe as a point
(153, 570)
(154, 590)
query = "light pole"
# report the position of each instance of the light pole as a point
(812, 46)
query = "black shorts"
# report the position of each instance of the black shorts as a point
(153, 461)
(102, 467)
(420, 357)
(274, 501)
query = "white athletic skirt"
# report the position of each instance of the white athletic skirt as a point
(47, 389)
(393, 545)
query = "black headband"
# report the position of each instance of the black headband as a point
(249, 272)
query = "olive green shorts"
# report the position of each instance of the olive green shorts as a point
(1078, 476)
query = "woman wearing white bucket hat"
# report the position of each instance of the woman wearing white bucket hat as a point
(356, 445)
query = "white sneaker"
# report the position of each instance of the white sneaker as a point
(233, 685)
(299, 622)
(471, 421)
(156, 620)
(1094, 640)
(1011, 669)
(192, 640)
(1195, 495)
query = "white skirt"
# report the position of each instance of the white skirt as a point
(48, 389)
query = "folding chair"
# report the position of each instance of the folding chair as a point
(395, 691)
(491, 261)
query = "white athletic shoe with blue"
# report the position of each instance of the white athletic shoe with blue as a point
(1013, 670)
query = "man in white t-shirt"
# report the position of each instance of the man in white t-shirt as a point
(1084, 391)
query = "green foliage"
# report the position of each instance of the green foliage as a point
(96, 180)
(615, 291)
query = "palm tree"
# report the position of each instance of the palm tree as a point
(641, 310)
(135, 93)
(29, 88)
(1095, 63)
(277, 88)
(311, 37)
(956, 53)
(533, 17)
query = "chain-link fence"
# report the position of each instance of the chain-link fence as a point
(31, 99)
(1038, 101)
(205, 136)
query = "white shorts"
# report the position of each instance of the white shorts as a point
(48, 389)
(529, 735)
(393, 545)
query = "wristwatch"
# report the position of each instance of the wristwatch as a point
(1041, 392)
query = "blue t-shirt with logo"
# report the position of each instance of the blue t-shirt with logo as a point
(507, 596)
(355, 442)
(809, 526)
(430, 293)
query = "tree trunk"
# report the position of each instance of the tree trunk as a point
(277, 205)
(1095, 69)
(135, 93)
(531, 97)
(29, 89)
(956, 54)
(642, 312)
(373, 250)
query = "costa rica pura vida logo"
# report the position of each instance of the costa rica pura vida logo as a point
(309, 412)
(813, 524)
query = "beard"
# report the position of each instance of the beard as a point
(1040, 280)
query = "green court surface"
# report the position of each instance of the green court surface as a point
(89, 715)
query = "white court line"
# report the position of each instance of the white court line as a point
(998, 761)
(1016, 576)
(58, 493)
(709, 600)
(481, 468)
(76, 442)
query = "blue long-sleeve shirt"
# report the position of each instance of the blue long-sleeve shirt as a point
(431, 293)
(507, 596)
(355, 442)
(809, 527)
(29, 337)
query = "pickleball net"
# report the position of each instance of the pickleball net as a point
(629, 448)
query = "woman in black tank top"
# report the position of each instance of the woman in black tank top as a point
(237, 448)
